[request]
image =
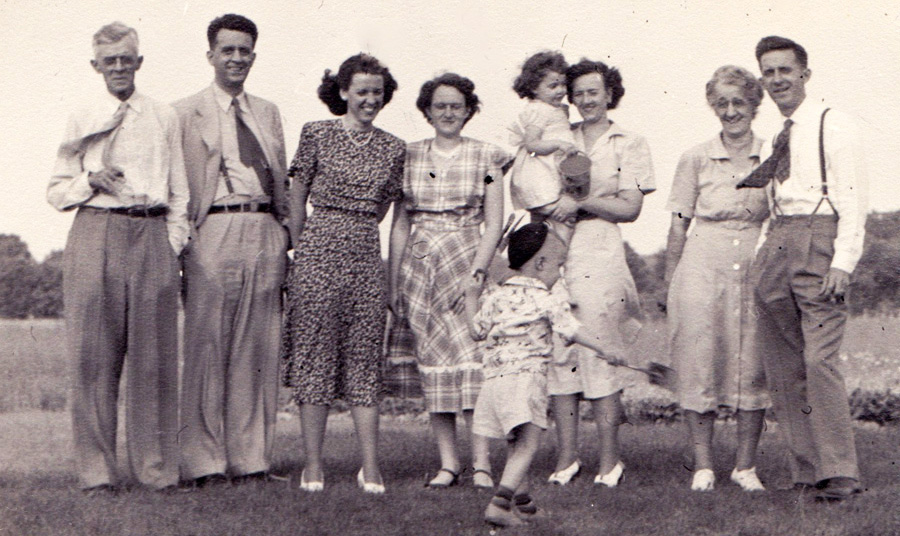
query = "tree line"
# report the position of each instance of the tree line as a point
(34, 289)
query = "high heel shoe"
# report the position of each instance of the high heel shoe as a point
(368, 487)
(311, 486)
(612, 478)
(704, 480)
(747, 479)
(564, 476)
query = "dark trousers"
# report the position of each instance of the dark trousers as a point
(799, 335)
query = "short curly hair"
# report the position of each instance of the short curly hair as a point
(535, 69)
(732, 75)
(460, 83)
(230, 21)
(330, 89)
(612, 79)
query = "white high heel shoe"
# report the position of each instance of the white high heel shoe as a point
(368, 487)
(612, 478)
(311, 486)
(564, 476)
(747, 479)
(704, 480)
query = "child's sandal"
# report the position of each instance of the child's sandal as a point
(454, 480)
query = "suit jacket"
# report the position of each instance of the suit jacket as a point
(202, 141)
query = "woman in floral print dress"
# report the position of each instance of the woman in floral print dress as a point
(350, 172)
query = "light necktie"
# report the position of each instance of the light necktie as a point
(118, 117)
(251, 152)
(778, 165)
(79, 145)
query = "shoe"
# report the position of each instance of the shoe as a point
(747, 479)
(564, 476)
(704, 480)
(527, 510)
(488, 475)
(259, 476)
(612, 478)
(101, 490)
(206, 481)
(838, 489)
(313, 486)
(454, 479)
(796, 486)
(497, 516)
(368, 487)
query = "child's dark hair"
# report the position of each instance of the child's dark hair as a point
(525, 242)
(460, 83)
(534, 69)
(331, 86)
(612, 79)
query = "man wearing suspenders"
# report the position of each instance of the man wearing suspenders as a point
(819, 201)
(233, 267)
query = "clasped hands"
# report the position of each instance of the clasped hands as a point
(107, 180)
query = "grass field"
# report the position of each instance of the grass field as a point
(38, 490)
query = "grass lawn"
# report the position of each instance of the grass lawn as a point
(38, 490)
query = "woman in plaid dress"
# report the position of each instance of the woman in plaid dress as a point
(451, 186)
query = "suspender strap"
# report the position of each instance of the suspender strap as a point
(224, 171)
(822, 171)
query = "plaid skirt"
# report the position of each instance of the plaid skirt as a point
(435, 266)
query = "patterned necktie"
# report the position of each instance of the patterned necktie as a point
(251, 151)
(79, 145)
(778, 165)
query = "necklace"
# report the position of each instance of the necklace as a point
(364, 142)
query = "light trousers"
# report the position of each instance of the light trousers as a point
(233, 274)
(120, 288)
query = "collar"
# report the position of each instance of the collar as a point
(224, 99)
(715, 148)
(525, 281)
(809, 111)
(613, 130)
(135, 102)
(429, 146)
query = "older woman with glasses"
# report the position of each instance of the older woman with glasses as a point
(714, 232)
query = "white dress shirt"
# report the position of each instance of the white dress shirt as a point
(146, 148)
(845, 171)
(245, 184)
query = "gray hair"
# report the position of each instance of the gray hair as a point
(732, 75)
(113, 33)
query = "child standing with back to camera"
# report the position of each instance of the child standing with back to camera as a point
(518, 318)
(544, 137)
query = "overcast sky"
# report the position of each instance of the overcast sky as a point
(666, 52)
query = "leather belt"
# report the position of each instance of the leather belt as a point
(137, 211)
(240, 207)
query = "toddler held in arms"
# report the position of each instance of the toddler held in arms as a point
(518, 318)
(544, 137)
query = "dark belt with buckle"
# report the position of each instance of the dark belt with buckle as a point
(137, 211)
(239, 207)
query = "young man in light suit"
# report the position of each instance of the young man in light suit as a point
(234, 266)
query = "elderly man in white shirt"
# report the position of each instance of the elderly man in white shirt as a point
(818, 187)
(121, 167)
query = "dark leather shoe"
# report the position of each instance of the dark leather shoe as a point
(102, 490)
(206, 481)
(259, 476)
(838, 489)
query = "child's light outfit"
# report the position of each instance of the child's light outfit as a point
(520, 317)
(535, 180)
